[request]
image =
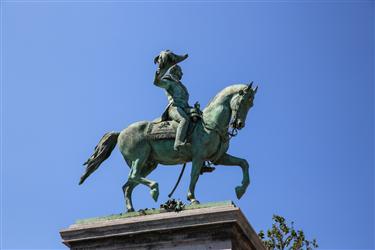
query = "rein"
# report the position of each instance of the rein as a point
(223, 135)
(233, 133)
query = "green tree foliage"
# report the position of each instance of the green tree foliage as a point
(282, 236)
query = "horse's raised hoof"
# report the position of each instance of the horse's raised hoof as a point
(155, 194)
(194, 202)
(155, 191)
(240, 191)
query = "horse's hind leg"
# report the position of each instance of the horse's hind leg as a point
(138, 167)
(130, 185)
(128, 189)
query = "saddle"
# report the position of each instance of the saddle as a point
(166, 128)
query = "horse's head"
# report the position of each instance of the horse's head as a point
(240, 104)
(167, 58)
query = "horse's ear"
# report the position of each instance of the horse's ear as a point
(255, 90)
(250, 85)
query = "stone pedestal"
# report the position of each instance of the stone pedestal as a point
(206, 226)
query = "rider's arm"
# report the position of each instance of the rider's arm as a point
(160, 82)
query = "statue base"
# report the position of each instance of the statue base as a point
(218, 225)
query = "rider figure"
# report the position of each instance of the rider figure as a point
(178, 101)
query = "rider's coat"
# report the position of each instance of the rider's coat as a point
(176, 92)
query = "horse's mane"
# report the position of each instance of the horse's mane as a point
(224, 94)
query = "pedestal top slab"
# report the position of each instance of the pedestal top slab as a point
(205, 221)
(149, 212)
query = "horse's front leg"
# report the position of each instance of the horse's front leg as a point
(229, 160)
(197, 164)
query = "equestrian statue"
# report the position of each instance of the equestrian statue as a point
(182, 134)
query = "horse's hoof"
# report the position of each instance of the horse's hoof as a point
(154, 191)
(240, 191)
(130, 210)
(154, 194)
(194, 202)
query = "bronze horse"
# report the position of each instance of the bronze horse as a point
(209, 142)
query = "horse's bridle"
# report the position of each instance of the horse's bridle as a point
(234, 131)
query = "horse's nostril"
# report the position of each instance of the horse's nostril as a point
(239, 124)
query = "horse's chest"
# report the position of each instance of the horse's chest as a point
(207, 145)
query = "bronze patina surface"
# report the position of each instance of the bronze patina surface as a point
(183, 134)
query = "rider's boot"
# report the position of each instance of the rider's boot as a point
(181, 134)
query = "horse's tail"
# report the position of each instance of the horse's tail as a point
(102, 152)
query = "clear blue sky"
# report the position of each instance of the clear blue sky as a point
(73, 70)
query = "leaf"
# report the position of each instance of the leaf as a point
(281, 236)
